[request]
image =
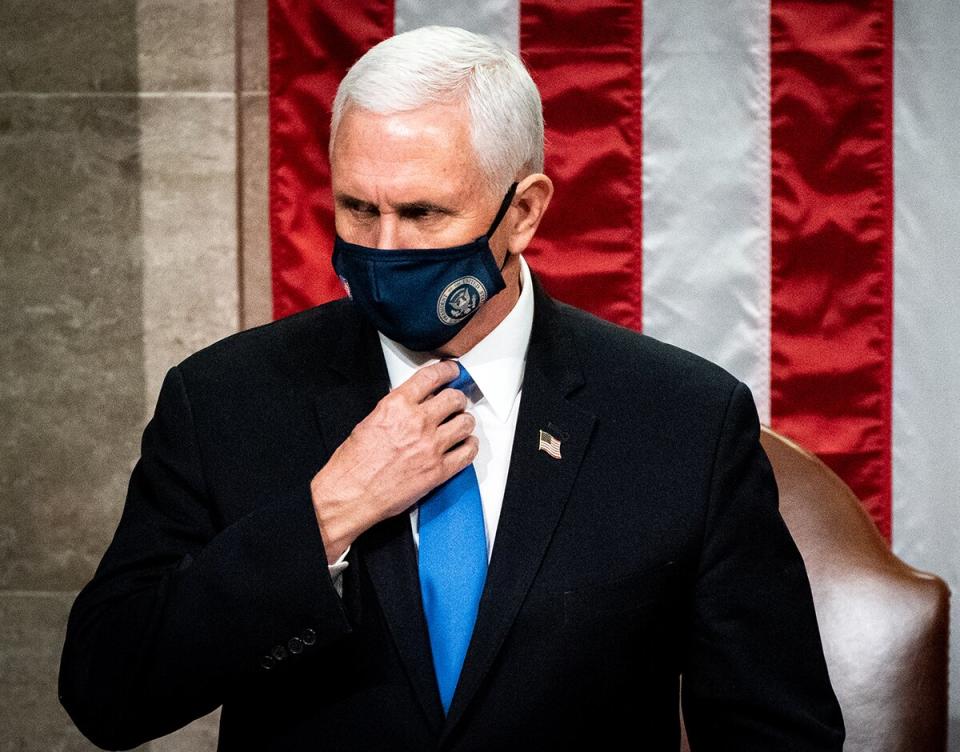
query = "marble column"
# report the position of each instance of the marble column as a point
(256, 295)
(132, 142)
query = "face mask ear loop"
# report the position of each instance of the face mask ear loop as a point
(504, 205)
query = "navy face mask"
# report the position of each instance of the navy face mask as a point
(421, 298)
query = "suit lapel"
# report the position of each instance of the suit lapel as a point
(391, 560)
(358, 380)
(537, 490)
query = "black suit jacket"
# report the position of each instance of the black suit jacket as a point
(652, 548)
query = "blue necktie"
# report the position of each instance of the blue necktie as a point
(453, 566)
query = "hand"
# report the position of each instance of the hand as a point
(415, 439)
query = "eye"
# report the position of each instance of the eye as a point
(364, 211)
(418, 212)
(422, 212)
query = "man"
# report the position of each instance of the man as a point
(449, 512)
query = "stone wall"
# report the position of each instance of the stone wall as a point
(133, 230)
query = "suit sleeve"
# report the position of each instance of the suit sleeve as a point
(755, 677)
(181, 611)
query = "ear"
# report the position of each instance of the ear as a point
(530, 202)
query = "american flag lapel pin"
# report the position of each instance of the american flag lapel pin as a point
(549, 444)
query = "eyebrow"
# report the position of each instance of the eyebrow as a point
(406, 208)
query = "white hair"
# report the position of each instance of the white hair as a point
(444, 64)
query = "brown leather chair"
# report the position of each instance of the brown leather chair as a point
(884, 625)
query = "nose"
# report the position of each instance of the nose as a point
(388, 232)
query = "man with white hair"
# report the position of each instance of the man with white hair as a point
(449, 512)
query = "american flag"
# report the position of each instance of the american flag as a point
(549, 444)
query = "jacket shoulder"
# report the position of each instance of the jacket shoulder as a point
(617, 354)
(281, 344)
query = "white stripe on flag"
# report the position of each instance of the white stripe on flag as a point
(706, 183)
(499, 19)
(926, 357)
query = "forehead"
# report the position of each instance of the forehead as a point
(390, 157)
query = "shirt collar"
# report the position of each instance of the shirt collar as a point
(496, 362)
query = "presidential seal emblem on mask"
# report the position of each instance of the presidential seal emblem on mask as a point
(460, 299)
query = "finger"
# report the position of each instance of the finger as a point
(443, 404)
(455, 430)
(460, 456)
(429, 379)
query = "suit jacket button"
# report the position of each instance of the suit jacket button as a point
(279, 652)
(308, 636)
(267, 662)
(295, 645)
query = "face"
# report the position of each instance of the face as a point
(410, 180)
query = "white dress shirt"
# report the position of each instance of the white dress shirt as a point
(496, 364)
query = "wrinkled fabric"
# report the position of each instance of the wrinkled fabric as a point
(832, 255)
(585, 58)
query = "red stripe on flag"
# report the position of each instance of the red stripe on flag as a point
(832, 225)
(586, 60)
(311, 47)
